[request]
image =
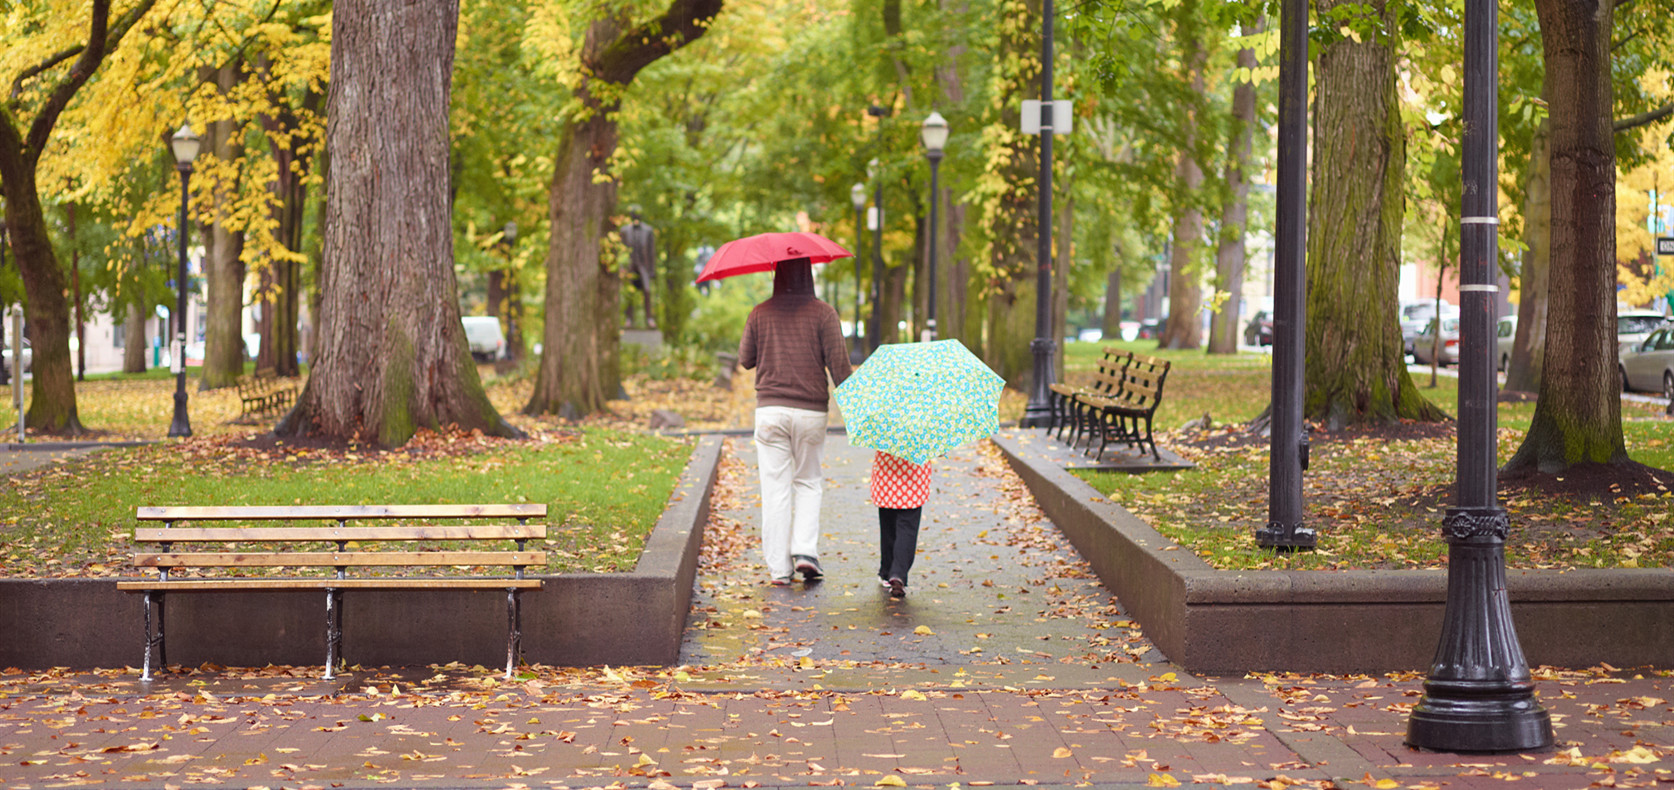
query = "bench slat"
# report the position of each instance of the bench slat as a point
(324, 512)
(289, 534)
(329, 558)
(271, 585)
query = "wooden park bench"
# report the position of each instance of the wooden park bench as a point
(264, 393)
(1068, 402)
(1126, 415)
(222, 559)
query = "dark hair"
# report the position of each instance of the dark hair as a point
(795, 276)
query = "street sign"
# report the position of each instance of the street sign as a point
(1665, 245)
(1063, 118)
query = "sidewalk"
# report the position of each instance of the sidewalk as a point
(1006, 665)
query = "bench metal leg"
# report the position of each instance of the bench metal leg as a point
(334, 632)
(514, 629)
(153, 634)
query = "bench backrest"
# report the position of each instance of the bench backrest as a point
(386, 524)
(1107, 381)
(1142, 382)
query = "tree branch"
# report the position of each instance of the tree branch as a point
(51, 60)
(101, 38)
(1649, 116)
(684, 22)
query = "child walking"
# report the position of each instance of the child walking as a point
(899, 489)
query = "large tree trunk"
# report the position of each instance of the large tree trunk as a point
(1184, 328)
(223, 345)
(393, 355)
(1528, 350)
(1229, 253)
(1356, 371)
(580, 367)
(133, 342)
(1012, 218)
(1578, 417)
(1113, 301)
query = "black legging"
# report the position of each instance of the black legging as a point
(897, 541)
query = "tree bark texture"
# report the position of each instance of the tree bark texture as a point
(1578, 417)
(1011, 219)
(223, 345)
(52, 406)
(393, 355)
(1113, 301)
(580, 368)
(1528, 350)
(133, 339)
(1184, 327)
(1229, 252)
(1356, 371)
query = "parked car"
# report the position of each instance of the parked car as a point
(1649, 367)
(6, 357)
(1259, 332)
(487, 342)
(1505, 335)
(1417, 315)
(1447, 350)
(1633, 326)
(1149, 329)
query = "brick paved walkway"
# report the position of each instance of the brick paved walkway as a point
(1007, 665)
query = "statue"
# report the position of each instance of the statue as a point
(641, 240)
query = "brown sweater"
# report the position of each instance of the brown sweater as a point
(792, 340)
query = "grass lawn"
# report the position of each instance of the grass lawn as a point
(605, 482)
(1376, 498)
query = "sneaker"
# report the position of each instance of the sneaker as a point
(897, 588)
(882, 582)
(781, 581)
(809, 568)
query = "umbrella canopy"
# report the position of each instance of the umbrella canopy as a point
(917, 401)
(764, 251)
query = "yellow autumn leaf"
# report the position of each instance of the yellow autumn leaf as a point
(1386, 784)
(1162, 780)
(890, 781)
(924, 630)
(644, 760)
(913, 695)
(1637, 754)
(1061, 752)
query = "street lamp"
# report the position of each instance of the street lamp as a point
(857, 196)
(1478, 696)
(185, 145)
(934, 135)
(1038, 413)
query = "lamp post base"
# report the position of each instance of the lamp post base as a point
(1038, 414)
(1479, 717)
(1285, 537)
(181, 426)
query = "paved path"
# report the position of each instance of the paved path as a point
(1007, 665)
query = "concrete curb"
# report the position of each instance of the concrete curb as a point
(1225, 622)
(578, 619)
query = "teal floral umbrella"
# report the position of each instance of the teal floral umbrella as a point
(917, 401)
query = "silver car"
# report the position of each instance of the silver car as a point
(1649, 367)
(6, 357)
(1505, 335)
(1633, 326)
(1447, 351)
(1417, 315)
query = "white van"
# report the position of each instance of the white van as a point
(483, 335)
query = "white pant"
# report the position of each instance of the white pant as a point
(788, 444)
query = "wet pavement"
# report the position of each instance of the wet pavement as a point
(1006, 665)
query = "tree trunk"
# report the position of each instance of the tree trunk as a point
(1063, 242)
(1184, 328)
(1229, 253)
(1528, 350)
(1356, 371)
(1113, 301)
(133, 343)
(894, 303)
(393, 355)
(1578, 417)
(223, 344)
(1012, 217)
(579, 366)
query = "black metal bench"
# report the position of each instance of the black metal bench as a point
(1126, 415)
(1068, 406)
(286, 544)
(263, 393)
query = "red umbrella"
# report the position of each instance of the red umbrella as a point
(763, 252)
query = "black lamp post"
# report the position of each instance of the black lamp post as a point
(934, 135)
(1288, 459)
(185, 145)
(857, 196)
(1039, 411)
(1478, 696)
